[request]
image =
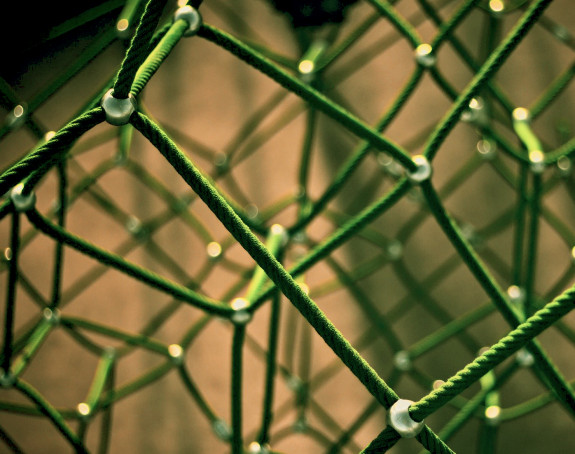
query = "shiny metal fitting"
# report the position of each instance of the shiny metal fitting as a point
(423, 171)
(400, 420)
(22, 202)
(118, 111)
(424, 55)
(191, 16)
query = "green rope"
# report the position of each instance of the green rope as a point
(52, 414)
(266, 261)
(126, 267)
(139, 48)
(521, 171)
(347, 119)
(502, 350)
(495, 61)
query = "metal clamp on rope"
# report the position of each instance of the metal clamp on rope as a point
(423, 171)
(22, 202)
(192, 16)
(118, 111)
(399, 419)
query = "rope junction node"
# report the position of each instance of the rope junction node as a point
(191, 16)
(118, 111)
(22, 202)
(400, 420)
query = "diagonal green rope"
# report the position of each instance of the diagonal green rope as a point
(40, 160)
(341, 347)
(493, 63)
(502, 350)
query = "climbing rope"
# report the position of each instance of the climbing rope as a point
(366, 258)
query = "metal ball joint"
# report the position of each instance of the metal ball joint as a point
(221, 429)
(399, 419)
(17, 117)
(22, 202)
(423, 171)
(402, 361)
(241, 316)
(424, 55)
(7, 380)
(118, 111)
(52, 316)
(191, 16)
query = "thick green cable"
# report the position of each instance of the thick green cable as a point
(467, 411)
(341, 347)
(316, 318)
(139, 48)
(157, 56)
(502, 350)
(315, 98)
(41, 159)
(509, 313)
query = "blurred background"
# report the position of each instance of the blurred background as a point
(390, 289)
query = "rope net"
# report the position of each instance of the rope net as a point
(298, 226)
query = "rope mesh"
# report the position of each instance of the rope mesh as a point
(428, 259)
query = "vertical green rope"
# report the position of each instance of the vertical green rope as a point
(139, 48)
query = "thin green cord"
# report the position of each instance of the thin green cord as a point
(59, 248)
(10, 311)
(271, 369)
(126, 267)
(318, 100)
(495, 61)
(51, 413)
(236, 388)
(403, 26)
